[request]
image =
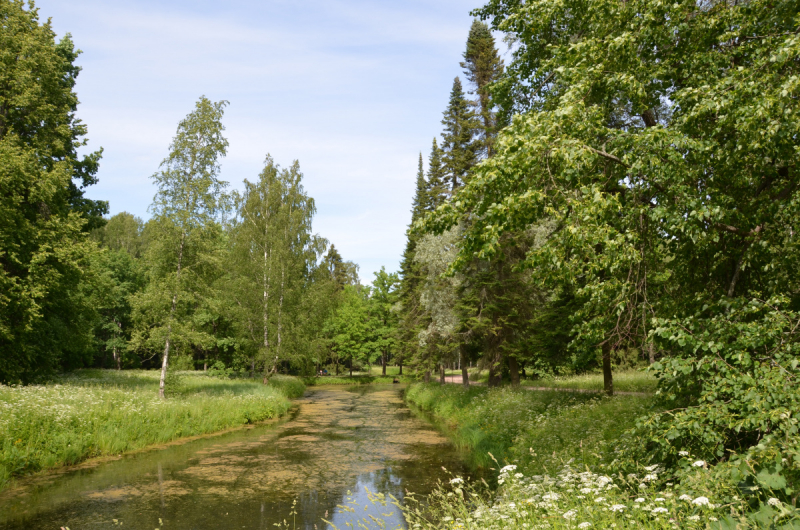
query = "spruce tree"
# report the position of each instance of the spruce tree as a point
(436, 192)
(482, 66)
(460, 151)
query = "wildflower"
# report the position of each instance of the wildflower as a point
(642, 486)
(700, 501)
(640, 499)
(699, 463)
(684, 497)
(586, 490)
(618, 507)
(660, 509)
(599, 499)
(652, 468)
(519, 475)
(650, 477)
(510, 467)
(660, 499)
(683, 453)
(570, 515)
(694, 517)
(713, 519)
(774, 502)
(584, 525)
(457, 480)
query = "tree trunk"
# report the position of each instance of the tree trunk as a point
(608, 381)
(383, 361)
(441, 374)
(492, 381)
(462, 360)
(427, 376)
(337, 366)
(351, 367)
(401, 368)
(651, 351)
(513, 370)
(165, 360)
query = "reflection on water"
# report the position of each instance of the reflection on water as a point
(337, 440)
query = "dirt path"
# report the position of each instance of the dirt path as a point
(456, 380)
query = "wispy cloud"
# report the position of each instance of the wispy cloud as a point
(353, 89)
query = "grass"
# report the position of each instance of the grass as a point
(539, 431)
(93, 413)
(626, 381)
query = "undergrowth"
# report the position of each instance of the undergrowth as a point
(538, 430)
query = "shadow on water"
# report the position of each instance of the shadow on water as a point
(337, 443)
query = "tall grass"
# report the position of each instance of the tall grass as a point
(537, 430)
(101, 412)
(625, 381)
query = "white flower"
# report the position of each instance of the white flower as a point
(519, 475)
(694, 517)
(508, 468)
(648, 478)
(642, 486)
(550, 497)
(652, 468)
(700, 501)
(584, 525)
(618, 507)
(660, 509)
(586, 490)
(599, 499)
(570, 515)
(683, 453)
(660, 499)
(774, 502)
(603, 480)
(640, 499)
(457, 480)
(699, 463)
(684, 497)
(713, 519)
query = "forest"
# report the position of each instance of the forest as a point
(616, 194)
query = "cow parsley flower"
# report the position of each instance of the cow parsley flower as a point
(774, 502)
(699, 463)
(701, 501)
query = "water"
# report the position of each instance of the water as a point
(337, 440)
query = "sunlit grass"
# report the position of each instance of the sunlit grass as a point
(538, 430)
(627, 381)
(103, 412)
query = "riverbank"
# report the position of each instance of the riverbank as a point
(538, 431)
(95, 413)
(554, 454)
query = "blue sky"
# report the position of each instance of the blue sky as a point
(352, 89)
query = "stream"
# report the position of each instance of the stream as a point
(336, 442)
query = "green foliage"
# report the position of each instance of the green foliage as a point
(459, 148)
(538, 430)
(96, 413)
(46, 316)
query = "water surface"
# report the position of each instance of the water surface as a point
(335, 443)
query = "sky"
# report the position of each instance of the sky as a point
(353, 89)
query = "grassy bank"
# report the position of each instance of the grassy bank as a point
(101, 412)
(624, 381)
(537, 430)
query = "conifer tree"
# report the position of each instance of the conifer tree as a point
(436, 191)
(460, 151)
(482, 66)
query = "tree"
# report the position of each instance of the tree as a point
(122, 232)
(459, 149)
(383, 312)
(483, 67)
(660, 139)
(189, 196)
(349, 328)
(45, 315)
(435, 191)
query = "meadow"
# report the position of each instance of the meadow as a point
(93, 413)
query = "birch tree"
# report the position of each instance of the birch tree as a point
(189, 195)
